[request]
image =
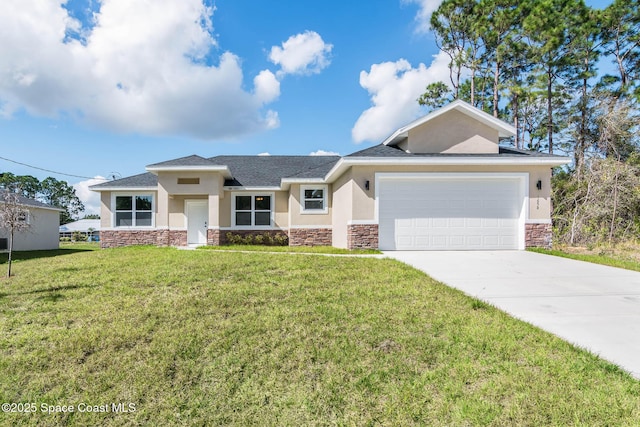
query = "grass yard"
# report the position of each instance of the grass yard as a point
(292, 249)
(217, 338)
(625, 256)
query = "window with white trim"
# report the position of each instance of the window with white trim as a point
(313, 198)
(252, 210)
(133, 210)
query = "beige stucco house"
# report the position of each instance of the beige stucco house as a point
(442, 182)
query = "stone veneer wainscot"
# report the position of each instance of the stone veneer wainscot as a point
(310, 236)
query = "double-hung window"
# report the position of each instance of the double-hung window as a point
(252, 210)
(134, 210)
(313, 199)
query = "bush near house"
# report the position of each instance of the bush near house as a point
(267, 239)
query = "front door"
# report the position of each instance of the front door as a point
(197, 216)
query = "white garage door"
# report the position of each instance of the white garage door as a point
(449, 212)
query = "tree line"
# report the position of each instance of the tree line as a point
(50, 191)
(568, 77)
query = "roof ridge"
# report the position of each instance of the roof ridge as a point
(180, 159)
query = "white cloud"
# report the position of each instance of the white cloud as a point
(304, 53)
(394, 88)
(324, 153)
(267, 87)
(425, 10)
(90, 199)
(266, 153)
(142, 67)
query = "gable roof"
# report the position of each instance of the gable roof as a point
(30, 203)
(504, 129)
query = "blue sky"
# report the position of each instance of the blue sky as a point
(95, 88)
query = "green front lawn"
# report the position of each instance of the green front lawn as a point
(292, 249)
(217, 338)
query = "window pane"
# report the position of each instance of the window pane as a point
(143, 219)
(243, 218)
(263, 203)
(313, 204)
(313, 194)
(243, 203)
(263, 218)
(143, 203)
(123, 219)
(124, 203)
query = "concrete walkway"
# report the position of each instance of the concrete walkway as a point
(593, 306)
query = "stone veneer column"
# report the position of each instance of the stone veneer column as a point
(538, 235)
(362, 236)
(213, 237)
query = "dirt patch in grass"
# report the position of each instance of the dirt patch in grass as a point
(627, 251)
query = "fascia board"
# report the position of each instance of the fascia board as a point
(240, 188)
(343, 164)
(98, 190)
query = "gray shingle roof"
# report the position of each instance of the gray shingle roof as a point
(193, 160)
(143, 180)
(268, 171)
(28, 202)
(516, 152)
(380, 150)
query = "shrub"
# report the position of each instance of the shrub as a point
(79, 237)
(266, 239)
(281, 239)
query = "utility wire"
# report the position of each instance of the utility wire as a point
(51, 171)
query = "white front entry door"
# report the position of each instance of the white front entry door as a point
(197, 216)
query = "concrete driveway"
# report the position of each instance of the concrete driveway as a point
(590, 305)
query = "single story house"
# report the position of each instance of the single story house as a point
(42, 233)
(86, 227)
(442, 182)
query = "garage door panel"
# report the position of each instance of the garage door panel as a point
(440, 214)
